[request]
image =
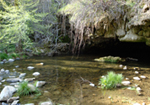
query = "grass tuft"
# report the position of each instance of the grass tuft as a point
(111, 80)
(24, 90)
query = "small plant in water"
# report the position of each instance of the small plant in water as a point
(111, 80)
(24, 89)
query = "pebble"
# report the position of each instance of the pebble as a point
(142, 76)
(138, 89)
(136, 78)
(91, 84)
(136, 72)
(109, 97)
(126, 83)
(36, 74)
(17, 66)
(30, 67)
(22, 75)
(125, 68)
(127, 78)
(120, 65)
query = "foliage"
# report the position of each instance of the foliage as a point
(111, 80)
(24, 90)
(19, 22)
(3, 56)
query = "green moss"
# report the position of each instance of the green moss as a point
(111, 80)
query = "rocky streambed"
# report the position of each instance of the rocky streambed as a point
(67, 81)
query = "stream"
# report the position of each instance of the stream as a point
(68, 80)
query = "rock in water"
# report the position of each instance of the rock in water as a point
(36, 74)
(40, 83)
(30, 67)
(126, 83)
(7, 92)
(11, 60)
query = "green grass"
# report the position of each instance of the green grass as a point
(3, 56)
(111, 80)
(24, 90)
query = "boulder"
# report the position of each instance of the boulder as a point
(6, 93)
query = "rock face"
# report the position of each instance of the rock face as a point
(7, 92)
(133, 26)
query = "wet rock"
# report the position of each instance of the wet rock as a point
(1, 62)
(1, 78)
(136, 68)
(40, 83)
(126, 83)
(7, 71)
(136, 78)
(46, 103)
(11, 60)
(120, 66)
(15, 102)
(36, 74)
(29, 79)
(22, 75)
(17, 66)
(30, 67)
(7, 92)
(10, 100)
(13, 80)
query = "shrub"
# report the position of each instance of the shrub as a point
(111, 80)
(14, 55)
(24, 89)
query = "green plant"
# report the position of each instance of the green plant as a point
(24, 89)
(3, 56)
(13, 55)
(111, 80)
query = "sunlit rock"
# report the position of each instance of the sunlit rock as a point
(136, 78)
(30, 67)
(11, 60)
(91, 84)
(40, 83)
(22, 75)
(125, 68)
(40, 64)
(138, 89)
(126, 83)
(142, 76)
(7, 92)
(136, 72)
(36, 74)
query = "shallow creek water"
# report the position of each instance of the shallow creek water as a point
(64, 80)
